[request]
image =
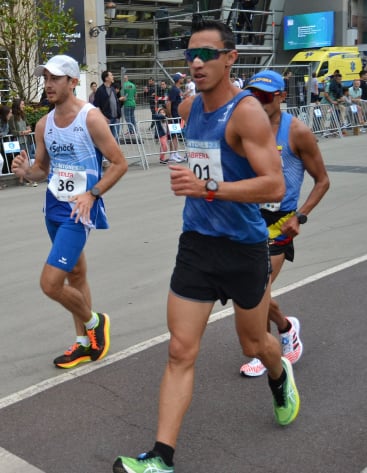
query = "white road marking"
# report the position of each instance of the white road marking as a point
(10, 463)
(89, 368)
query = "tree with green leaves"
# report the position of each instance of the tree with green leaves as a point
(31, 31)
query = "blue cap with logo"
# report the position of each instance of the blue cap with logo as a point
(268, 81)
(176, 77)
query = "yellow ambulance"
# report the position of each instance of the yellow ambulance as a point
(325, 61)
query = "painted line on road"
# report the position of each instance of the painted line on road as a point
(10, 463)
(82, 370)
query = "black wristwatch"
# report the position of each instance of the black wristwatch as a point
(211, 187)
(302, 218)
(95, 192)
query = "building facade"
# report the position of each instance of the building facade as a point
(147, 37)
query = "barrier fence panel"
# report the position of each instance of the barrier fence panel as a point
(149, 132)
(11, 146)
(292, 110)
(353, 117)
(131, 143)
(157, 149)
(323, 119)
(141, 143)
(177, 136)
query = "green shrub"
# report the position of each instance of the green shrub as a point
(34, 112)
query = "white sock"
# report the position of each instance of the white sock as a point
(93, 322)
(83, 340)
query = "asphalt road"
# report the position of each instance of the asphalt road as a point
(77, 421)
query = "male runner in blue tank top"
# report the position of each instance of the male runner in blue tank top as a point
(223, 251)
(299, 152)
(70, 143)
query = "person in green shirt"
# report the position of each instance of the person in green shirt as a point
(129, 92)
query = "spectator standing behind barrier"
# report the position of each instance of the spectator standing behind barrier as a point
(223, 251)
(117, 87)
(245, 79)
(315, 95)
(160, 121)
(106, 100)
(174, 99)
(5, 114)
(151, 93)
(19, 128)
(162, 94)
(363, 84)
(190, 89)
(235, 81)
(73, 203)
(333, 93)
(355, 92)
(336, 87)
(93, 88)
(352, 101)
(129, 95)
(299, 152)
(345, 104)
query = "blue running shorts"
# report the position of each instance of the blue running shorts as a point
(68, 240)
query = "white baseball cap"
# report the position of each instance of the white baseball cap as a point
(60, 65)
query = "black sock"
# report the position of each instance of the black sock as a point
(165, 452)
(276, 386)
(288, 327)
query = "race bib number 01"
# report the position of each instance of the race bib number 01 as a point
(205, 160)
(66, 183)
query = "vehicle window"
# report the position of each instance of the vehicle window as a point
(324, 69)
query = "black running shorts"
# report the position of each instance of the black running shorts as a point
(287, 249)
(211, 268)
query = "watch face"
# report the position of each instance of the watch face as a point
(211, 185)
(95, 192)
(302, 218)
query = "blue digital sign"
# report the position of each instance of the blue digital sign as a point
(309, 30)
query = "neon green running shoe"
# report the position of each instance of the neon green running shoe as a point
(145, 463)
(286, 404)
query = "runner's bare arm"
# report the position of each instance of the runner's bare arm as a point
(249, 133)
(106, 143)
(303, 143)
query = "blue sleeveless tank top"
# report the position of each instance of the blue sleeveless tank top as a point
(293, 168)
(75, 167)
(210, 156)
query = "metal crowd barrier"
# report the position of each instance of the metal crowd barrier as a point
(11, 145)
(323, 119)
(132, 143)
(148, 131)
(142, 147)
(332, 120)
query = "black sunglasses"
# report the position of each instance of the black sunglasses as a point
(204, 54)
(264, 97)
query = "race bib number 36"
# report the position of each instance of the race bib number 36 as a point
(66, 183)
